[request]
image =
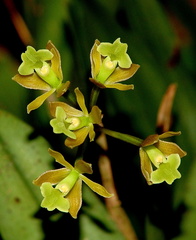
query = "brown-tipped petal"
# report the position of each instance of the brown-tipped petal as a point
(39, 101)
(52, 176)
(122, 74)
(56, 60)
(98, 84)
(83, 167)
(150, 140)
(168, 148)
(99, 189)
(95, 58)
(70, 111)
(81, 134)
(32, 81)
(146, 166)
(75, 198)
(169, 134)
(60, 159)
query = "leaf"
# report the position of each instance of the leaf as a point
(21, 161)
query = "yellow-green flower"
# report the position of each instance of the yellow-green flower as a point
(110, 65)
(160, 159)
(62, 188)
(74, 123)
(41, 70)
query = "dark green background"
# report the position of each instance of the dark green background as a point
(161, 38)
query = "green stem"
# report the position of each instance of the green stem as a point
(122, 136)
(94, 96)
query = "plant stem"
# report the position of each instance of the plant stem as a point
(122, 136)
(94, 96)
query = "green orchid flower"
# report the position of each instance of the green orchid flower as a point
(62, 188)
(75, 124)
(164, 157)
(41, 70)
(110, 65)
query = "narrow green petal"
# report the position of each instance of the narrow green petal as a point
(81, 101)
(81, 134)
(99, 189)
(32, 81)
(59, 158)
(75, 198)
(52, 176)
(39, 101)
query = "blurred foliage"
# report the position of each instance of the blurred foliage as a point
(161, 38)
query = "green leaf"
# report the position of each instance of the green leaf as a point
(21, 161)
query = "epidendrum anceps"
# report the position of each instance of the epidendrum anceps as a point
(110, 65)
(74, 123)
(41, 70)
(66, 196)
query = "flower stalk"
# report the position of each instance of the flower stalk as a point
(122, 136)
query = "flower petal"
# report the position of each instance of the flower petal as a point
(116, 51)
(53, 198)
(99, 189)
(81, 101)
(150, 140)
(96, 116)
(119, 86)
(52, 176)
(32, 81)
(60, 159)
(83, 167)
(75, 198)
(169, 134)
(168, 148)
(95, 58)
(91, 132)
(81, 134)
(146, 166)
(63, 88)
(70, 111)
(122, 74)
(167, 171)
(39, 101)
(56, 60)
